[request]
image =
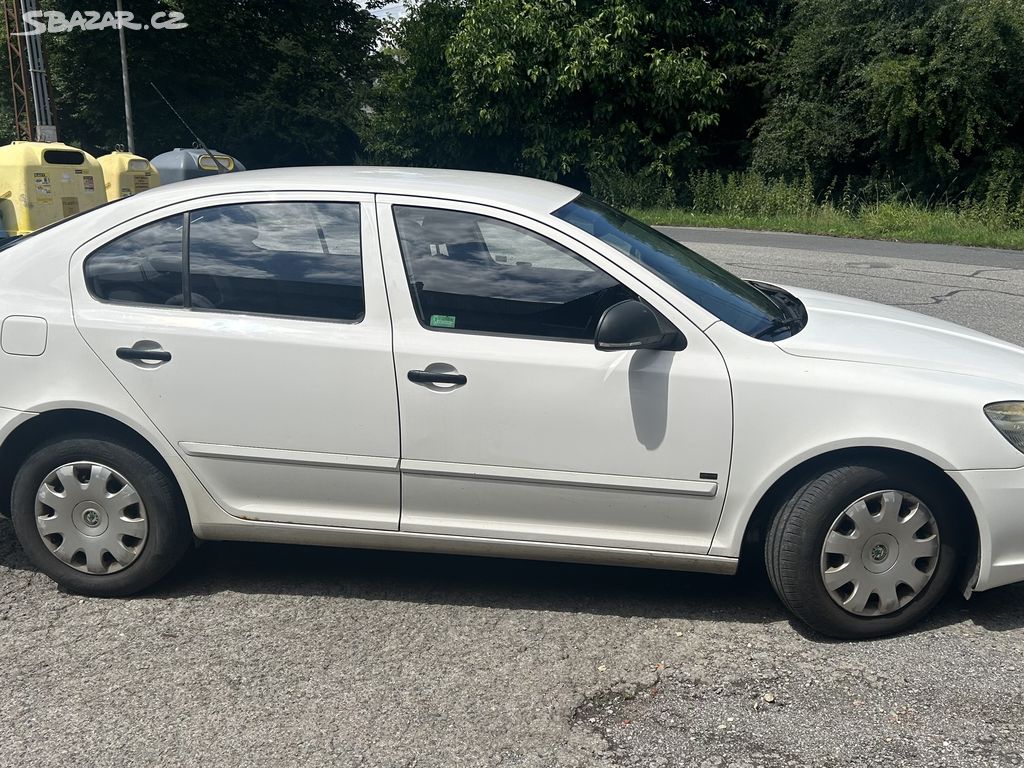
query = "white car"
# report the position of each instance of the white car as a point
(474, 363)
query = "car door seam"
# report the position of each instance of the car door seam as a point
(394, 358)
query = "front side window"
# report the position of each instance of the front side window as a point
(290, 259)
(141, 267)
(472, 272)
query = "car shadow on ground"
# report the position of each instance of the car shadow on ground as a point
(250, 568)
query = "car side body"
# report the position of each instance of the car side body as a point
(310, 431)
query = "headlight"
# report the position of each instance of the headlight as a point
(1008, 418)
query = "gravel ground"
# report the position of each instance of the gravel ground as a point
(261, 655)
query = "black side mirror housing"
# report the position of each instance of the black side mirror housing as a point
(631, 324)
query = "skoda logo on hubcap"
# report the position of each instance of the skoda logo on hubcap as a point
(91, 517)
(879, 552)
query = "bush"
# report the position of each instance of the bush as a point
(929, 91)
(750, 194)
(998, 198)
(647, 189)
(855, 207)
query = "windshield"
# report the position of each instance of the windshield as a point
(717, 290)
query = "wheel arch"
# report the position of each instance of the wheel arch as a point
(65, 421)
(769, 503)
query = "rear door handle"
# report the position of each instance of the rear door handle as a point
(146, 355)
(436, 377)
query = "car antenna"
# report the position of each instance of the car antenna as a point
(206, 149)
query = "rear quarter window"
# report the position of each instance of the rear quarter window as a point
(141, 267)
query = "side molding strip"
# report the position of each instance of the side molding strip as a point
(278, 456)
(556, 477)
(448, 469)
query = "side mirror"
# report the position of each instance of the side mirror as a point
(631, 324)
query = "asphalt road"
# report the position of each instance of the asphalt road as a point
(256, 655)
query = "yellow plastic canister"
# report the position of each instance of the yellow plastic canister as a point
(41, 183)
(126, 174)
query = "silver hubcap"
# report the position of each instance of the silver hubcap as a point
(91, 518)
(880, 553)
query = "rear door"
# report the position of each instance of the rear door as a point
(267, 360)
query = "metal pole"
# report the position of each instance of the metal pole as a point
(21, 103)
(45, 129)
(124, 79)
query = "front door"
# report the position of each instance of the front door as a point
(266, 361)
(513, 425)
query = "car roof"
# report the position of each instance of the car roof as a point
(520, 194)
(502, 190)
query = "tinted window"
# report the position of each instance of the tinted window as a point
(475, 273)
(717, 290)
(142, 267)
(293, 259)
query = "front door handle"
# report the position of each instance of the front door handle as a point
(143, 354)
(436, 377)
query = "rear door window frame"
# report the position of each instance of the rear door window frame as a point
(186, 210)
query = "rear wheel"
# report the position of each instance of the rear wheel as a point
(864, 551)
(97, 517)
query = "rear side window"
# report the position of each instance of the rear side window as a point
(142, 267)
(476, 273)
(286, 259)
(290, 259)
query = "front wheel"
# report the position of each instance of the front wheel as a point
(864, 551)
(98, 517)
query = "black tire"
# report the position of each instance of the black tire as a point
(169, 535)
(793, 549)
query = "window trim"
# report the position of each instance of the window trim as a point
(186, 264)
(416, 306)
(186, 276)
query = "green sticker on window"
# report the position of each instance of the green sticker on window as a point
(442, 321)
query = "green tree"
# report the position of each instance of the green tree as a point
(271, 84)
(929, 92)
(571, 89)
(412, 118)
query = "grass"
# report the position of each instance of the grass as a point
(750, 201)
(906, 223)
